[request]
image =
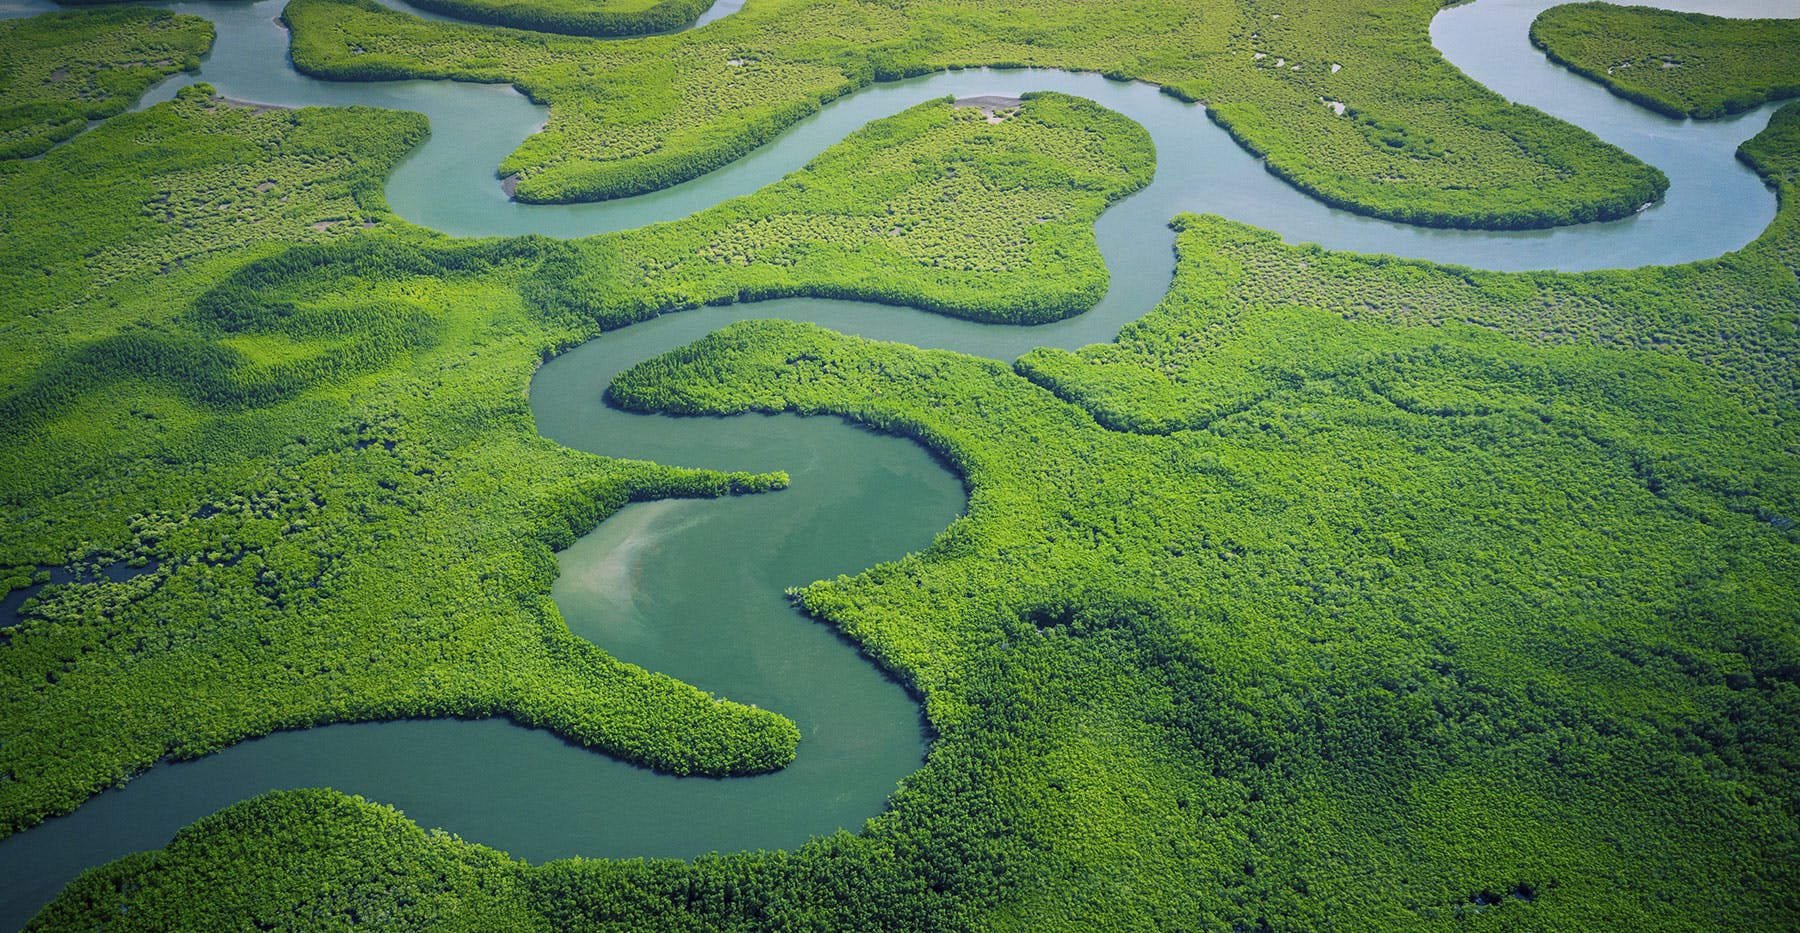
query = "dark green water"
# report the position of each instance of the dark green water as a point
(856, 499)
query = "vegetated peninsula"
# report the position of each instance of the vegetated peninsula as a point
(1681, 64)
(1417, 141)
(910, 210)
(575, 17)
(63, 70)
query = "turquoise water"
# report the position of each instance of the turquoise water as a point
(856, 499)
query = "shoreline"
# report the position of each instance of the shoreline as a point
(222, 101)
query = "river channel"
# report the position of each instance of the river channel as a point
(856, 498)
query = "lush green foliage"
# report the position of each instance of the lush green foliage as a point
(1175, 369)
(60, 70)
(291, 443)
(1340, 592)
(1417, 141)
(1681, 64)
(940, 207)
(1451, 617)
(575, 17)
(400, 871)
(372, 534)
(173, 187)
(1465, 578)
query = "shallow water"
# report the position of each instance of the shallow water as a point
(856, 498)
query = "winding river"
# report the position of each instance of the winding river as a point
(856, 498)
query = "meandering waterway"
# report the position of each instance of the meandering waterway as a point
(856, 498)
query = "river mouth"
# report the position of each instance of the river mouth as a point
(856, 498)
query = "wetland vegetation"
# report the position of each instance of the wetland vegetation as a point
(1417, 141)
(383, 370)
(1339, 591)
(59, 71)
(1681, 64)
(907, 211)
(575, 17)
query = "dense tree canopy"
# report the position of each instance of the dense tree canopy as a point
(1338, 591)
(1417, 141)
(575, 17)
(1682, 64)
(359, 400)
(60, 70)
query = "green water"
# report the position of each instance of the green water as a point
(856, 498)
